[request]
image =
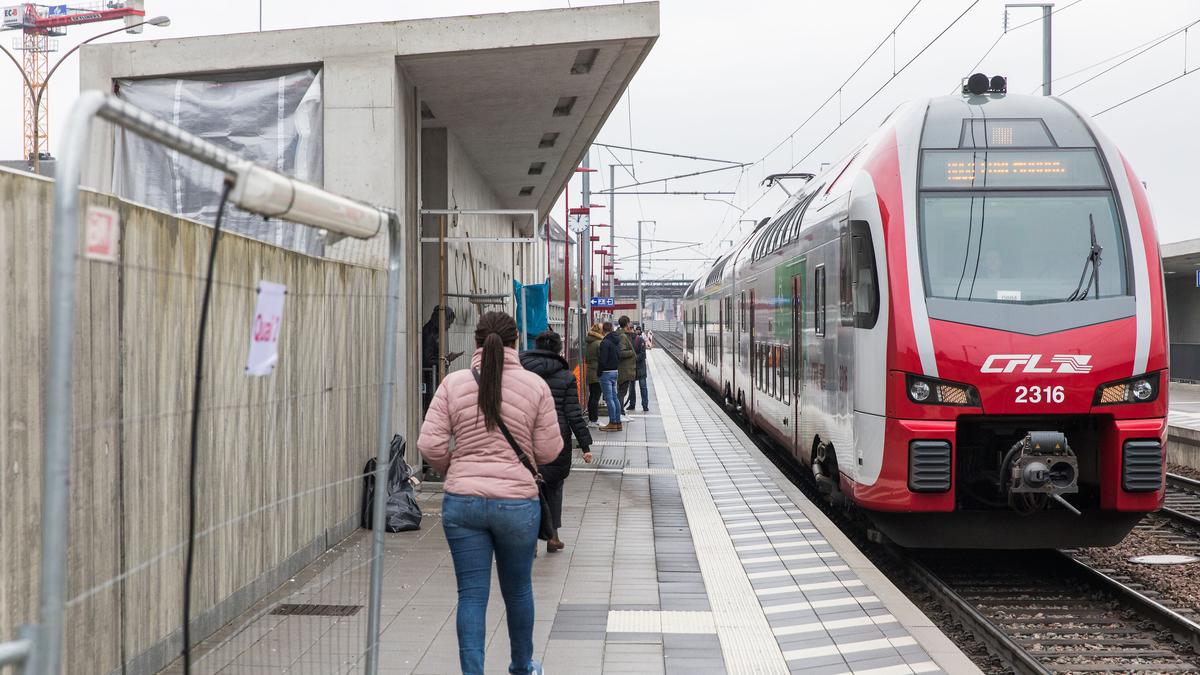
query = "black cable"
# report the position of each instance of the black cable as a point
(197, 380)
(1151, 89)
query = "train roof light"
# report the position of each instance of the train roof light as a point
(980, 84)
(977, 84)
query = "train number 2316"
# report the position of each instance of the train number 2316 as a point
(1035, 394)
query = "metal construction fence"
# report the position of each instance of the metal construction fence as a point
(210, 402)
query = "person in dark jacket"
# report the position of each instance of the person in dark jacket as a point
(639, 351)
(627, 370)
(545, 360)
(594, 335)
(610, 361)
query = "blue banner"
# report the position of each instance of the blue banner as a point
(537, 313)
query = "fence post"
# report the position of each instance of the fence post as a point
(383, 460)
(56, 449)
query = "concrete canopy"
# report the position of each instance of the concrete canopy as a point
(525, 116)
(1181, 257)
(498, 82)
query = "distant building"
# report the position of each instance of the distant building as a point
(1181, 270)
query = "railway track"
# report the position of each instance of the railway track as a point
(1036, 612)
(1183, 503)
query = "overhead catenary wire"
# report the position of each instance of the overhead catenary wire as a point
(666, 154)
(1014, 29)
(836, 92)
(1156, 87)
(1140, 50)
(870, 98)
(789, 138)
(1168, 34)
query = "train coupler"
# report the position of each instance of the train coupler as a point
(1039, 468)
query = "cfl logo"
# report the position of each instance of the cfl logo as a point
(1031, 363)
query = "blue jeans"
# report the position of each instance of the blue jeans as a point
(608, 382)
(475, 528)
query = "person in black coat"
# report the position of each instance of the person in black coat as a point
(639, 353)
(545, 360)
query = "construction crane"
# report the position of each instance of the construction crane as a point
(40, 26)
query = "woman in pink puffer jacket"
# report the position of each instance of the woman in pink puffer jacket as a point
(490, 503)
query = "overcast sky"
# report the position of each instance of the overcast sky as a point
(731, 80)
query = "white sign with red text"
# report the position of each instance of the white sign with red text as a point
(264, 333)
(103, 230)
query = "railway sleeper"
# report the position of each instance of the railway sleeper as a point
(1073, 633)
(1121, 668)
(1136, 654)
(1141, 643)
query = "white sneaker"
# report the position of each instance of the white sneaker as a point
(626, 418)
(593, 425)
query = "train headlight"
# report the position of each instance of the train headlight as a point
(1141, 389)
(939, 392)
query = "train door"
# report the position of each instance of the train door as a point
(797, 354)
(753, 361)
(738, 359)
(720, 341)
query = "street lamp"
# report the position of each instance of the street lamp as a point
(36, 93)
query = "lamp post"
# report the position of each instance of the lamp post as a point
(612, 216)
(641, 297)
(36, 93)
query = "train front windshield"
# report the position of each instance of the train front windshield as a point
(1021, 227)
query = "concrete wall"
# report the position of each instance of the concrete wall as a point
(286, 447)
(450, 180)
(1183, 308)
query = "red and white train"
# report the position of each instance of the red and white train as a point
(960, 327)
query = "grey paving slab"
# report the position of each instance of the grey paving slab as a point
(635, 553)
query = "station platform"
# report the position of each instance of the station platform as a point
(687, 552)
(1183, 425)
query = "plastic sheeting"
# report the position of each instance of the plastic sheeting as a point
(274, 120)
(536, 313)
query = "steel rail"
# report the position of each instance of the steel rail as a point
(1184, 629)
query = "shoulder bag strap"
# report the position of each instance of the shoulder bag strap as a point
(537, 476)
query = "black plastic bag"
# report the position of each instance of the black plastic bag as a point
(403, 513)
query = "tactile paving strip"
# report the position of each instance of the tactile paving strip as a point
(819, 614)
(742, 628)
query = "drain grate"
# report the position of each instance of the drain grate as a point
(287, 609)
(602, 463)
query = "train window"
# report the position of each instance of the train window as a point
(786, 379)
(742, 312)
(998, 133)
(866, 278)
(773, 374)
(759, 368)
(845, 281)
(729, 312)
(1020, 249)
(819, 299)
(800, 211)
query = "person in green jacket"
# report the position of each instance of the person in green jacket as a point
(592, 356)
(627, 371)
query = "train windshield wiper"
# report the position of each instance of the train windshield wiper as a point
(1093, 262)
